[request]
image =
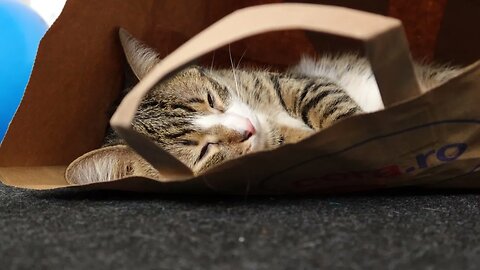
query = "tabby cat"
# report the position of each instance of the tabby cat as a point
(204, 117)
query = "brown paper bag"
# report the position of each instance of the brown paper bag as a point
(421, 138)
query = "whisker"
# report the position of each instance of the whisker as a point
(233, 69)
(213, 59)
(243, 54)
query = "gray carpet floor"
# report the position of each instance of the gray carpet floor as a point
(114, 230)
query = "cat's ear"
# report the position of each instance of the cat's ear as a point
(109, 164)
(140, 57)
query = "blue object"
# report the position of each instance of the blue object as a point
(20, 32)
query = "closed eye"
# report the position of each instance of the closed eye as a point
(210, 100)
(204, 151)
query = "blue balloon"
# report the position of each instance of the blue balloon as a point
(20, 32)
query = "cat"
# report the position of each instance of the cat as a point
(204, 117)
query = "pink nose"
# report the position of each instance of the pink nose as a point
(249, 129)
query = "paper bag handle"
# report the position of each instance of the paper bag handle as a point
(383, 38)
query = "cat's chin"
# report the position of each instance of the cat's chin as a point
(254, 144)
(257, 143)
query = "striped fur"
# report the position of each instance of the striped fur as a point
(354, 74)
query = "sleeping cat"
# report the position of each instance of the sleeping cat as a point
(204, 117)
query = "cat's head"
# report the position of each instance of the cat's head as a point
(195, 115)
